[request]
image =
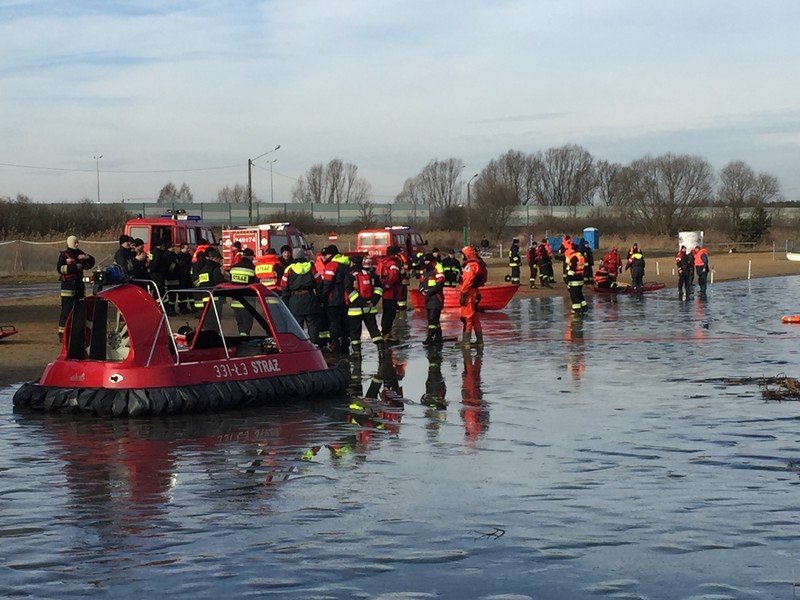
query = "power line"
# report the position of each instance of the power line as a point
(139, 172)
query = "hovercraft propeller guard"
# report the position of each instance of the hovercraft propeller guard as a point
(120, 356)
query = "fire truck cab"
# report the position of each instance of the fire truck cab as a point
(260, 238)
(176, 227)
(375, 242)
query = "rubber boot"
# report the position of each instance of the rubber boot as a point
(479, 339)
(381, 350)
(438, 340)
(464, 343)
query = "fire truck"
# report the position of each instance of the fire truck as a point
(374, 242)
(260, 238)
(176, 227)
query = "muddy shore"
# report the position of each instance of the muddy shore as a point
(36, 317)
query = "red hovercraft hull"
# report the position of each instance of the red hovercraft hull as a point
(493, 297)
(152, 371)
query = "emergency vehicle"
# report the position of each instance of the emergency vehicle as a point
(261, 238)
(375, 242)
(176, 227)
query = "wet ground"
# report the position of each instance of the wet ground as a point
(572, 458)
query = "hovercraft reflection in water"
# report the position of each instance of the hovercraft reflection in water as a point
(120, 356)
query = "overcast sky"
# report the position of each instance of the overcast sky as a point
(187, 91)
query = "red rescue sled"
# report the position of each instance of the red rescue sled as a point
(493, 297)
(627, 289)
(120, 356)
(7, 330)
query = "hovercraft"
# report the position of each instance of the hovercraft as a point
(121, 357)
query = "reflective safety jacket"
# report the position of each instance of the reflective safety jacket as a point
(701, 258)
(266, 270)
(432, 286)
(575, 265)
(70, 267)
(299, 288)
(452, 271)
(636, 264)
(602, 279)
(514, 259)
(244, 272)
(363, 292)
(209, 275)
(332, 288)
(392, 277)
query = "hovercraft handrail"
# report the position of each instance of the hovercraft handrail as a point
(160, 301)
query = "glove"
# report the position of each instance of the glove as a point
(462, 299)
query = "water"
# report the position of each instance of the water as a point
(586, 458)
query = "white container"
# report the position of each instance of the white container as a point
(690, 239)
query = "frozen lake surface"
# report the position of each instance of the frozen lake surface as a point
(572, 458)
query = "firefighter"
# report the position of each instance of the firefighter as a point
(124, 255)
(636, 265)
(684, 263)
(472, 278)
(544, 257)
(243, 272)
(701, 266)
(199, 254)
(452, 268)
(533, 265)
(564, 249)
(267, 269)
(391, 278)
(363, 294)
(333, 297)
(588, 256)
(299, 291)
(184, 269)
(209, 276)
(72, 262)
(284, 259)
(575, 263)
(432, 287)
(323, 324)
(612, 263)
(139, 270)
(173, 279)
(405, 280)
(632, 250)
(418, 265)
(514, 261)
(602, 279)
(158, 268)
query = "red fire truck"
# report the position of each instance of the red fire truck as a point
(176, 227)
(374, 242)
(261, 238)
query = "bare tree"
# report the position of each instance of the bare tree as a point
(335, 183)
(494, 203)
(607, 182)
(663, 192)
(168, 194)
(438, 185)
(565, 177)
(234, 195)
(185, 194)
(740, 189)
(516, 169)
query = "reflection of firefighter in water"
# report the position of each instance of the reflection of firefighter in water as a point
(474, 411)
(575, 347)
(435, 387)
(378, 409)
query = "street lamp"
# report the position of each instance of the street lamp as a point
(271, 190)
(250, 162)
(97, 163)
(466, 237)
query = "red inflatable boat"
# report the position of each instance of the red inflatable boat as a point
(120, 356)
(493, 297)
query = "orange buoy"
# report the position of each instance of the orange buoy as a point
(790, 319)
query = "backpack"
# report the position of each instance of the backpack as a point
(363, 285)
(483, 272)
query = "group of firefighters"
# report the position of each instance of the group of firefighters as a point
(579, 268)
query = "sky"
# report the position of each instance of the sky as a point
(186, 91)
